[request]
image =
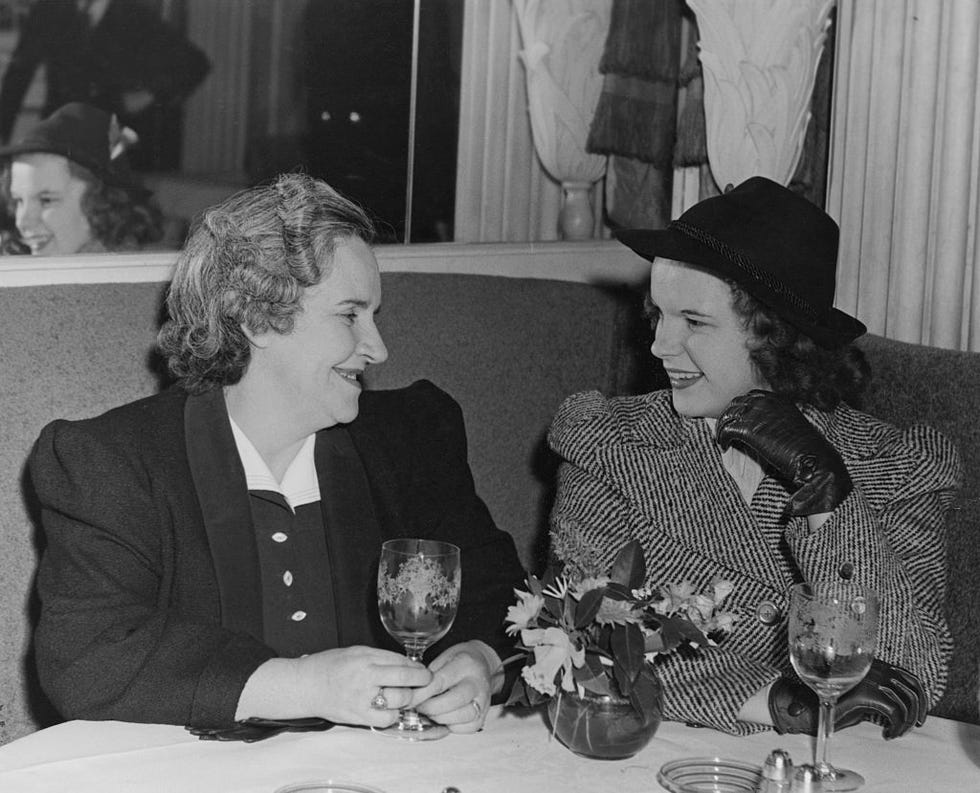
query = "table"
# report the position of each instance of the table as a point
(513, 754)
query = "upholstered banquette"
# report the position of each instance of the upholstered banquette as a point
(508, 331)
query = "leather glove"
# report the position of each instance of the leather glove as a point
(889, 694)
(771, 429)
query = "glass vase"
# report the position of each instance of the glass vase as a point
(602, 726)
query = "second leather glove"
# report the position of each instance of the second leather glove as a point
(891, 695)
(771, 429)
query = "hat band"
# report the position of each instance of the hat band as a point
(753, 272)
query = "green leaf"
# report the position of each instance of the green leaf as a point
(627, 649)
(588, 607)
(654, 643)
(598, 685)
(646, 693)
(594, 664)
(678, 630)
(616, 591)
(518, 694)
(629, 567)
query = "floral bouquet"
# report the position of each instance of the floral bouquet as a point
(603, 634)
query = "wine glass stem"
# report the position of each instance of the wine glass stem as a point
(825, 729)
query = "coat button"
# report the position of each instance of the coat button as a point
(846, 571)
(767, 613)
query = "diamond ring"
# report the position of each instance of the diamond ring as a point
(379, 702)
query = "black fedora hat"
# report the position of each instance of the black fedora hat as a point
(86, 135)
(775, 244)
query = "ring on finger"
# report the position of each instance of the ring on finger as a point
(477, 707)
(379, 702)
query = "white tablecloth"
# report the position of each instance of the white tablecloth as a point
(513, 754)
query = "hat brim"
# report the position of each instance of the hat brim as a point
(114, 177)
(832, 329)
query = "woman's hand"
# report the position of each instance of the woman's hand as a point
(464, 678)
(772, 430)
(889, 694)
(339, 685)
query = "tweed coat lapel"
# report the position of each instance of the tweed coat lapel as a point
(667, 468)
(684, 477)
(222, 492)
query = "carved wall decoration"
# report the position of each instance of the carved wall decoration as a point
(759, 59)
(563, 42)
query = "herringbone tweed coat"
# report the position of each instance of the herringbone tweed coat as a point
(633, 468)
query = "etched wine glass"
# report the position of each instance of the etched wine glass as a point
(832, 633)
(418, 593)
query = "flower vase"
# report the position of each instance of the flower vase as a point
(604, 727)
(576, 220)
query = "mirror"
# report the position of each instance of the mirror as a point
(362, 94)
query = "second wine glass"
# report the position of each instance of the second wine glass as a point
(418, 593)
(832, 633)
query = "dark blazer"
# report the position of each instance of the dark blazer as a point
(150, 589)
(130, 48)
(634, 469)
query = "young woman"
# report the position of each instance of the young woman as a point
(754, 467)
(67, 188)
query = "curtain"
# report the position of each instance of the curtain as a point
(903, 180)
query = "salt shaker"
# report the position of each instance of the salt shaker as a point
(806, 780)
(777, 773)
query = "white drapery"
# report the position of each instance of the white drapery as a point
(903, 179)
(502, 192)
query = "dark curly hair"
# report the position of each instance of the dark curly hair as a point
(790, 361)
(247, 263)
(794, 365)
(121, 219)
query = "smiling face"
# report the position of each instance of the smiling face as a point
(47, 202)
(312, 374)
(700, 339)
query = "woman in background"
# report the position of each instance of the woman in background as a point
(753, 467)
(67, 188)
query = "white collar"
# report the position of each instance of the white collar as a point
(299, 484)
(746, 472)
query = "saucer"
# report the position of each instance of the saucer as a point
(709, 775)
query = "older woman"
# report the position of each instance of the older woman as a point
(754, 467)
(212, 550)
(68, 188)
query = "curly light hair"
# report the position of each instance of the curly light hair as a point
(247, 264)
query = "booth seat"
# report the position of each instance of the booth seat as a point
(509, 331)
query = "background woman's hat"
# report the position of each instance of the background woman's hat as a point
(87, 135)
(779, 247)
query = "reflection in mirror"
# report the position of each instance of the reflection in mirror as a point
(322, 85)
(325, 85)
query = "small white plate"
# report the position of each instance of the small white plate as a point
(709, 775)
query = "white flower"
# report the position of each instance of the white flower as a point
(588, 584)
(553, 652)
(558, 589)
(527, 609)
(616, 612)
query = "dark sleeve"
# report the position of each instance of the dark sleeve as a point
(146, 52)
(112, 643)
(445, 505)
(27, 56)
